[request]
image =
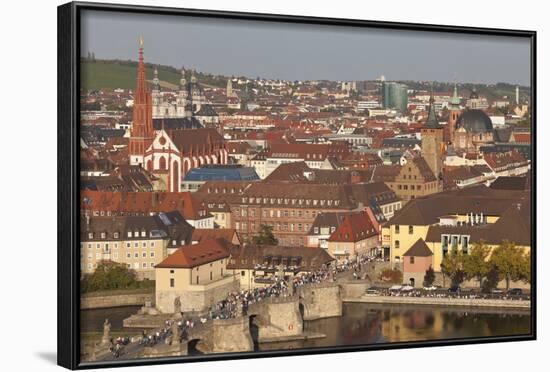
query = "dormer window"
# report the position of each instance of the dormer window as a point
(90, 235)
(129, 234)
(103, 235)
(143, 233)
(115, 235)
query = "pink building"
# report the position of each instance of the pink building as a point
(416, 261)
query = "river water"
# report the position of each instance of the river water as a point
(363, 324)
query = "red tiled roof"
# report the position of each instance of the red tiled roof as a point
(354, 227)
(190, 256)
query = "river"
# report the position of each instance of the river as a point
(363, 324)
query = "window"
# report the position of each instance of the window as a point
(242, 273)
(152, 244)
(136, 245)
(197, 280)
(98, 246)
(90, 235)
(128, 255)
(152, 264)
(411, 229)
(136, 255)
(152, 254)
(210, 275)
(397, 244)
(172, 282)
(144, 244)
(144, 265)
(129, 234)
(144, 254)
(411, 260)
(397, 229)
(115, 235)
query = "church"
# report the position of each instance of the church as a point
(169, 152)
(188, 103)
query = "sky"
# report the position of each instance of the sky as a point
(305, 52)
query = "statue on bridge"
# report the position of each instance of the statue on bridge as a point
(106, 339)
(176, 334)
(177, 307)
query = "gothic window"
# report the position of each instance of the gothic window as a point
(162, 163)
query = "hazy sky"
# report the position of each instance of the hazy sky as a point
(305, 52)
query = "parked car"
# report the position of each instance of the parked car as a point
(372, 292)
(454, 289)
(515, 292)
(407, 288)
(395, 288)
(496, 291)
(430, 288)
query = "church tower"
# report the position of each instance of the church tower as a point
(156, 96)
(432, 141)
(181, 100)
(141, 135)
(229, 89)
(454, 113)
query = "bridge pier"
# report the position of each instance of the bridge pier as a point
(322, 300)
(277, 319)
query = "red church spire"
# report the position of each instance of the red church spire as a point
(142, 134)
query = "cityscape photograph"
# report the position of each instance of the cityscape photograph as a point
(250, 186)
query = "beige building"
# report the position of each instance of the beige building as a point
(259, 265)
(140, 242)
(197, 275)
(415, 179)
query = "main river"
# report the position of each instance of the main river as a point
(370, 323)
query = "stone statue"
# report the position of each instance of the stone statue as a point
(177, 305)
(239, 309)
(106, 339)
(290, 285)
(176, 335)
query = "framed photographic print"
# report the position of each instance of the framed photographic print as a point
(237, 185)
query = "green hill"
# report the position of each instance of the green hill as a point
(112, 74)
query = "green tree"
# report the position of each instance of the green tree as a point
(512, 263)
(492, 279)
(452, 266)
(476, 263)
(109, 275)
(265, 236)
(429, 277)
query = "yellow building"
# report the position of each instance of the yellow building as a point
(196, 275)
(140, 242)
(457, 219)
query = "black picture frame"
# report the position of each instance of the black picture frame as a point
(68, 340)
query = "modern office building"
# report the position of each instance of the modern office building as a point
(394, 96)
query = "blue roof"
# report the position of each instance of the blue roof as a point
(222, 173)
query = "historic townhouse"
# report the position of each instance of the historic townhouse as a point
(140, 242)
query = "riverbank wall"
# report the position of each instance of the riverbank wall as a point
(442, 301)
(118, 299)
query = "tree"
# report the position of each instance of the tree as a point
(492, 279)
(452, 265)
(512, 263)
(429, 277)
(265, 237)
(476, 264)
(109, 275)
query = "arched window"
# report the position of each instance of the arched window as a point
(162, 163)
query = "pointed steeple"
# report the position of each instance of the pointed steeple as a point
(141, 89)
(156, 82)
(432, 122)
(183, 81)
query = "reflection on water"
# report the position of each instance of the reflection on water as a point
(369, 324)
(92, 320)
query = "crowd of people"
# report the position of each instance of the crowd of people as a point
(237, 303)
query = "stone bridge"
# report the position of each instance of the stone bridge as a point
(270, 320)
